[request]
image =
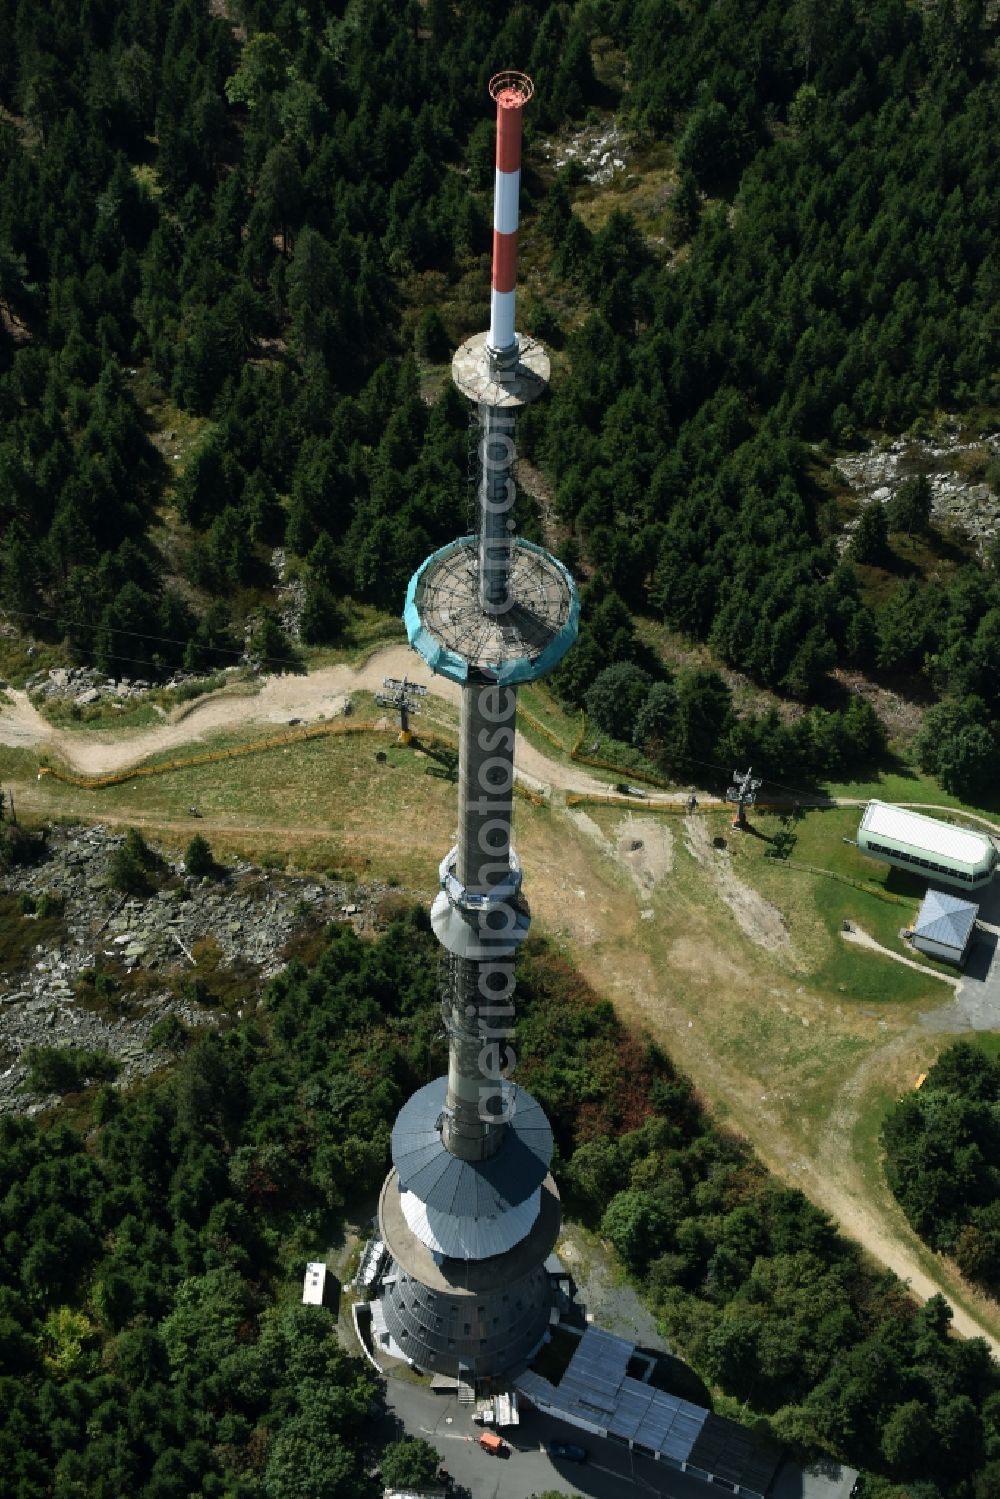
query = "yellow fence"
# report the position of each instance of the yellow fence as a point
(254, 747)
(705, 803)
(576, 753)
(623, 772)
(616, 799)
(539, 728)
(207, 757)
(846, 879)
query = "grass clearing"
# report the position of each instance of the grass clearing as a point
(801, 1050)
(808, 898)
(544, 706)
(643, 190)
(771, 1037)
(366, 630)
(677, 652)
(988, 1041)
(750, 1023)
(17, 764)
(326, 801)
(175, 433)
(906, 784)
(17, 665)
(63, 713)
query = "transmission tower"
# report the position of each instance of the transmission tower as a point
(470, 1213)
(743, 792)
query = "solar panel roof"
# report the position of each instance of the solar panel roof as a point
(597, 1391)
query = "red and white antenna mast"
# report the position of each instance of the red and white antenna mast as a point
(511, 91)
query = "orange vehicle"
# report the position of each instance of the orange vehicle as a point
(490, 1442)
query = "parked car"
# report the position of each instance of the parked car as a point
(494, 1445)
(568, 1451)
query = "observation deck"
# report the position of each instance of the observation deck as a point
(490, 380)
(446, 623)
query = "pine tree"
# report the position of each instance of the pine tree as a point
(870, 539)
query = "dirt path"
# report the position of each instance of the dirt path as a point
(861, 1220)
(320, 694)
(862, 939)
(757, 918)
(834, 1181)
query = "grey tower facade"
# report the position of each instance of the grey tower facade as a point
(469, 1212)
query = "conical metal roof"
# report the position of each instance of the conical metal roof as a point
(469, 1189)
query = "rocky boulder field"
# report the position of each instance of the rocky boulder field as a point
(955, 468)
(89, 967)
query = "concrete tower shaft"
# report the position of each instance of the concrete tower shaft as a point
(480, 921)
(495, 618)
(486, 787)
(497, 493)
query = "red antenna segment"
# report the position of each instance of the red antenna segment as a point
(511, 91)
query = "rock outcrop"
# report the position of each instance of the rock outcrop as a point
(250, 915)
(959, 500)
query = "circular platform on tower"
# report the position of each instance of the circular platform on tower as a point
(481, 1318)
(455, 1275)
(446, 623)
(478, 378)
(478, 1189)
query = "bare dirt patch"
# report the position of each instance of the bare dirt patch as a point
(902, 716)
(587, 825)
(646, 848)
(757, 918)
(642, 845)
(576, 898)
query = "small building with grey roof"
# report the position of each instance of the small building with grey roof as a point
(944, 926)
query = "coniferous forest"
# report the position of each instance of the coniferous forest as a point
(941, 1160)
(251, 215)
(150, 1340)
